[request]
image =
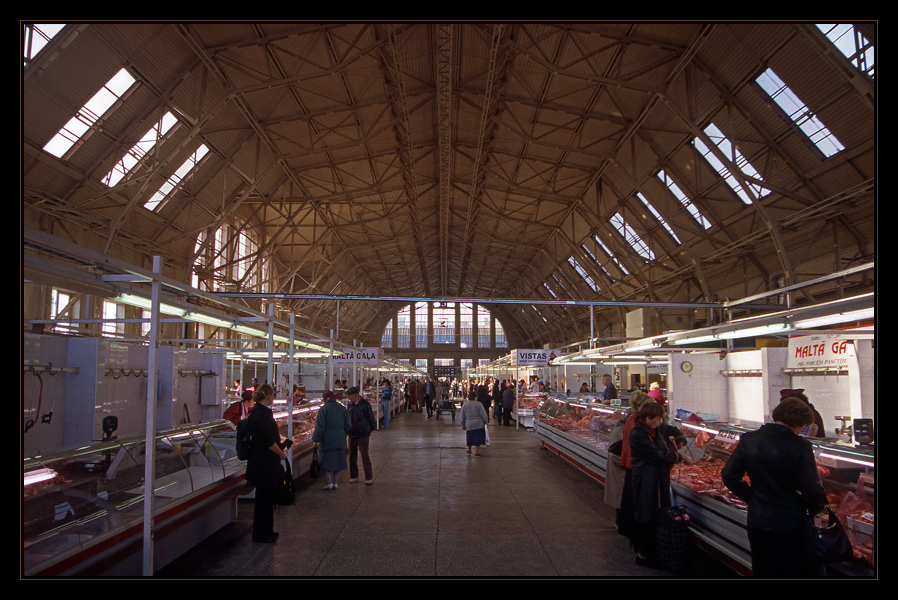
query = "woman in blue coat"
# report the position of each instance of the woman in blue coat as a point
(332, 425)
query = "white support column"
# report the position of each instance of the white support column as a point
(149, 467)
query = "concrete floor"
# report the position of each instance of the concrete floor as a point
(519, 511)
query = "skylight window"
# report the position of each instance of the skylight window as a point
(596, 261)
(800, 114)
(73, 132)
(561, 284)
(726, 147)
(172, 183)
(143, 147)
(852, 44)
(607, 251)
(548, 289)
(684, 200)
(632, 238)
(37, 36)
(658, 216)
(584, 274)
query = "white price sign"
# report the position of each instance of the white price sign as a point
(535, 357)
(366, 357)
(820, 351)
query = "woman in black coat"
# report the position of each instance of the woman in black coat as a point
(652, 454)
(785, 485)
(263, 467)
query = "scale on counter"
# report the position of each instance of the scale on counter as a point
(863, 431)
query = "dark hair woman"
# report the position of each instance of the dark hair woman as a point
(785, 484)
(651, 458)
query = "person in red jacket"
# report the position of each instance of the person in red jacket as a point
(238, 410)
(655, 393)
(625, 513)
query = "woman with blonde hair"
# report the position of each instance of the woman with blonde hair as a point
(655, 393)
(618, 492)
(263, 467)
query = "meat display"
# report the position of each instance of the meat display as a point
(703, 477)
(853, 507)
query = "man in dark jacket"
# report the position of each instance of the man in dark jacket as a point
(508, 398)
(363, 422)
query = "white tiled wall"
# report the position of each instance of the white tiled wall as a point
(701, 390)
(750, 399)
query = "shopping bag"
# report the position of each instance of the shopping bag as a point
(486, 432)
(672, 538)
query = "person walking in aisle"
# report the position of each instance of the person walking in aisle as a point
(263, 467)
(414, 389)
(386, 397)
(363, 423)
(623, 495)
(483, 394)
(331, 428)
(429, 394)
(474, 420)
(508, 398)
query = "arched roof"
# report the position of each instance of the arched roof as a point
(474, 160)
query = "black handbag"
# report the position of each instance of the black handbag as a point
(828, 543)
(286, 493)
(315, 467)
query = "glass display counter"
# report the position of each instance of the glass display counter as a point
(82, 510)
(718, 517)
(525, 409)
(579, 432)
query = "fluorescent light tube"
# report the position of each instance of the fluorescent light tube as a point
(846, 317)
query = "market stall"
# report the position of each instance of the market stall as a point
(580, 432)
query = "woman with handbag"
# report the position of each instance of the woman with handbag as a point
(331, 428)
(474, 420)
(652, 454)
(784, 486)
(263, 466)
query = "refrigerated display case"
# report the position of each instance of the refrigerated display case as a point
(82, 509)
(578, 432)
(525, 409)
(718, 517)
(304, 416)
